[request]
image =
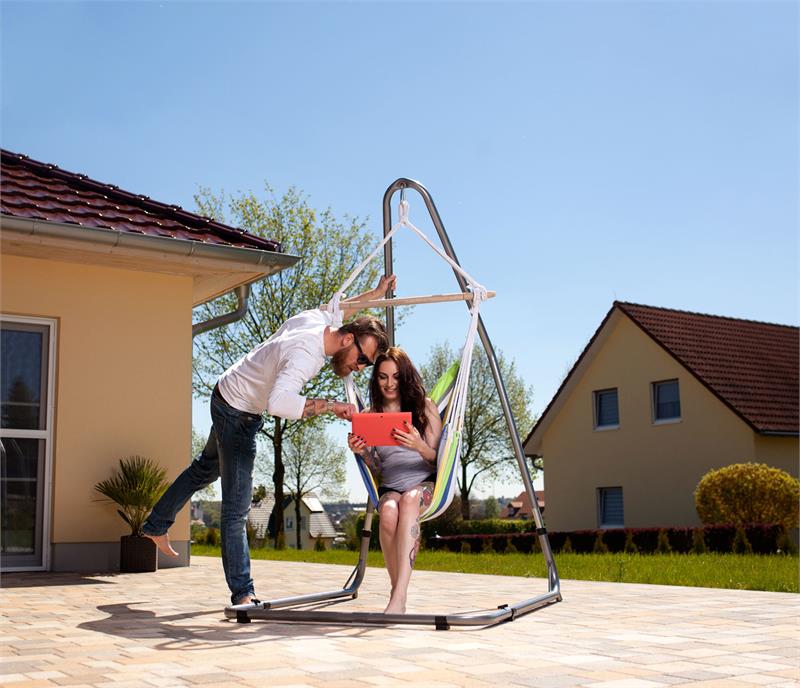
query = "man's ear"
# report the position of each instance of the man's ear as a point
(347, 340)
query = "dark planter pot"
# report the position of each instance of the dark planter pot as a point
(137, 554)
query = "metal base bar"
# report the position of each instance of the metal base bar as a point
(244, 613)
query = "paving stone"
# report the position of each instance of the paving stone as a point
(167, 630)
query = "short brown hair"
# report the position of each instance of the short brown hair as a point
(368, 326)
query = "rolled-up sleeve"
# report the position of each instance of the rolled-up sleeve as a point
(285, 400)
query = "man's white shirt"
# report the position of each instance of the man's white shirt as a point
(271, 376)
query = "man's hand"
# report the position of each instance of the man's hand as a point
(343, 411)
(386, 282)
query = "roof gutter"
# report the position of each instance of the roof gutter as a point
(116, 238)
(243, 297)
(183, 248)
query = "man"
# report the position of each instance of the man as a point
(268, 379)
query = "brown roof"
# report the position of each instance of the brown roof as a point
(38, 191)
(750, 366)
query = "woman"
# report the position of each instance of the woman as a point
(407, 471)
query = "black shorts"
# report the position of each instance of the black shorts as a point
(385, 490)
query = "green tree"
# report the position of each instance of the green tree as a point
(491, 509)
(329, 250)
(486, 448)
(313, 463)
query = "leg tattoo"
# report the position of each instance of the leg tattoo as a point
(412, 555)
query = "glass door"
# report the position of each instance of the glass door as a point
(26, 371)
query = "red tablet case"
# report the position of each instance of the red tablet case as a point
(376, 428)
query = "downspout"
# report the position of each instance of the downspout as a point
(243, 295)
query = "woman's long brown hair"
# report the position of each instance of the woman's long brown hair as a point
(412, 392)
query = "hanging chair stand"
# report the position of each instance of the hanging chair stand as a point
(305, 608)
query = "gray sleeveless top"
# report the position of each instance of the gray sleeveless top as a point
(403, 468)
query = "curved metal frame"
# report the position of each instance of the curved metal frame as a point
(277, 610)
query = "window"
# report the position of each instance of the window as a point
(666, 400)
(609, 507)
(289, 523)
(26, 373)
(606, 409)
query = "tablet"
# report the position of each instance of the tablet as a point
(376, 428)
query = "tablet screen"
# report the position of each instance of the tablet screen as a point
(376, 428)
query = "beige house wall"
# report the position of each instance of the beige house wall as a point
(781, 452)
(122, 384)
(657, 465)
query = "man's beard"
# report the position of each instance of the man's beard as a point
(339, 364)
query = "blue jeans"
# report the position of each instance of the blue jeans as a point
(230, 452)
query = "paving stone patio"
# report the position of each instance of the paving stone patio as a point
(167, 629)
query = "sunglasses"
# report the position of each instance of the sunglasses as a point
(362, 358)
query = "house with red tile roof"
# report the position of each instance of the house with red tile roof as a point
(98, 286)
(521, 507)
(658, 398)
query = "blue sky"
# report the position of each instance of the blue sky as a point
(578, 152)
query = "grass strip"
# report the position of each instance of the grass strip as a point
(774, 573)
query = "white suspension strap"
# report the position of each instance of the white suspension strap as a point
(477, 289)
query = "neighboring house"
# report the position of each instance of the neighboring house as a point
(658, 398)
(98, 287)
(314, 523)
(521, 506)
(258, 518)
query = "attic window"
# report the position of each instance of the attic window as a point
(666, 401)
(606, 409)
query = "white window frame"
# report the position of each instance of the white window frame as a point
(595, 403)
(46, 435)
(664, 421)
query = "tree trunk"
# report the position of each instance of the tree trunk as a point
(464, 493)
(297, 503)
(277, 482)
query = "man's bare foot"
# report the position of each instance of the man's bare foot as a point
(162, 542)
(247, 599)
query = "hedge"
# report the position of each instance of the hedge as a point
(763, 538)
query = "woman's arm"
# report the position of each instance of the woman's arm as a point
(428, 445)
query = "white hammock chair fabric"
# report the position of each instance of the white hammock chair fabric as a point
(452, 405)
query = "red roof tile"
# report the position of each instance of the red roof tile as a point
(751, 366)
(34, 190)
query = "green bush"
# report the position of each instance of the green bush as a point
(745, 493)
(465, 548)
(599, 547)
(510, 549)
(319, 544)
(663, 546)
(212, 537)
(785, 544)
(630, 545)
(698, 541)
(741, 545)
(566, 548)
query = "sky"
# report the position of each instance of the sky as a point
(577, 152)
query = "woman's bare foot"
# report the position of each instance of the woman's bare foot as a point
(395, 608)
(162, 542)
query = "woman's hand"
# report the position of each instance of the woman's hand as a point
(357, 444)
(411, 438)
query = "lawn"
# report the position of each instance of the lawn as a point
(774, 573)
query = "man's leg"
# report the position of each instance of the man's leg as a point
(203, 471)
(237, 453)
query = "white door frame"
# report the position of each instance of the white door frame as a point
(46, 435)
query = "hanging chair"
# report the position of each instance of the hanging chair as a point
(450, 392)
(450, 395)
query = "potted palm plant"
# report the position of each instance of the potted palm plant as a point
(135, 487)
